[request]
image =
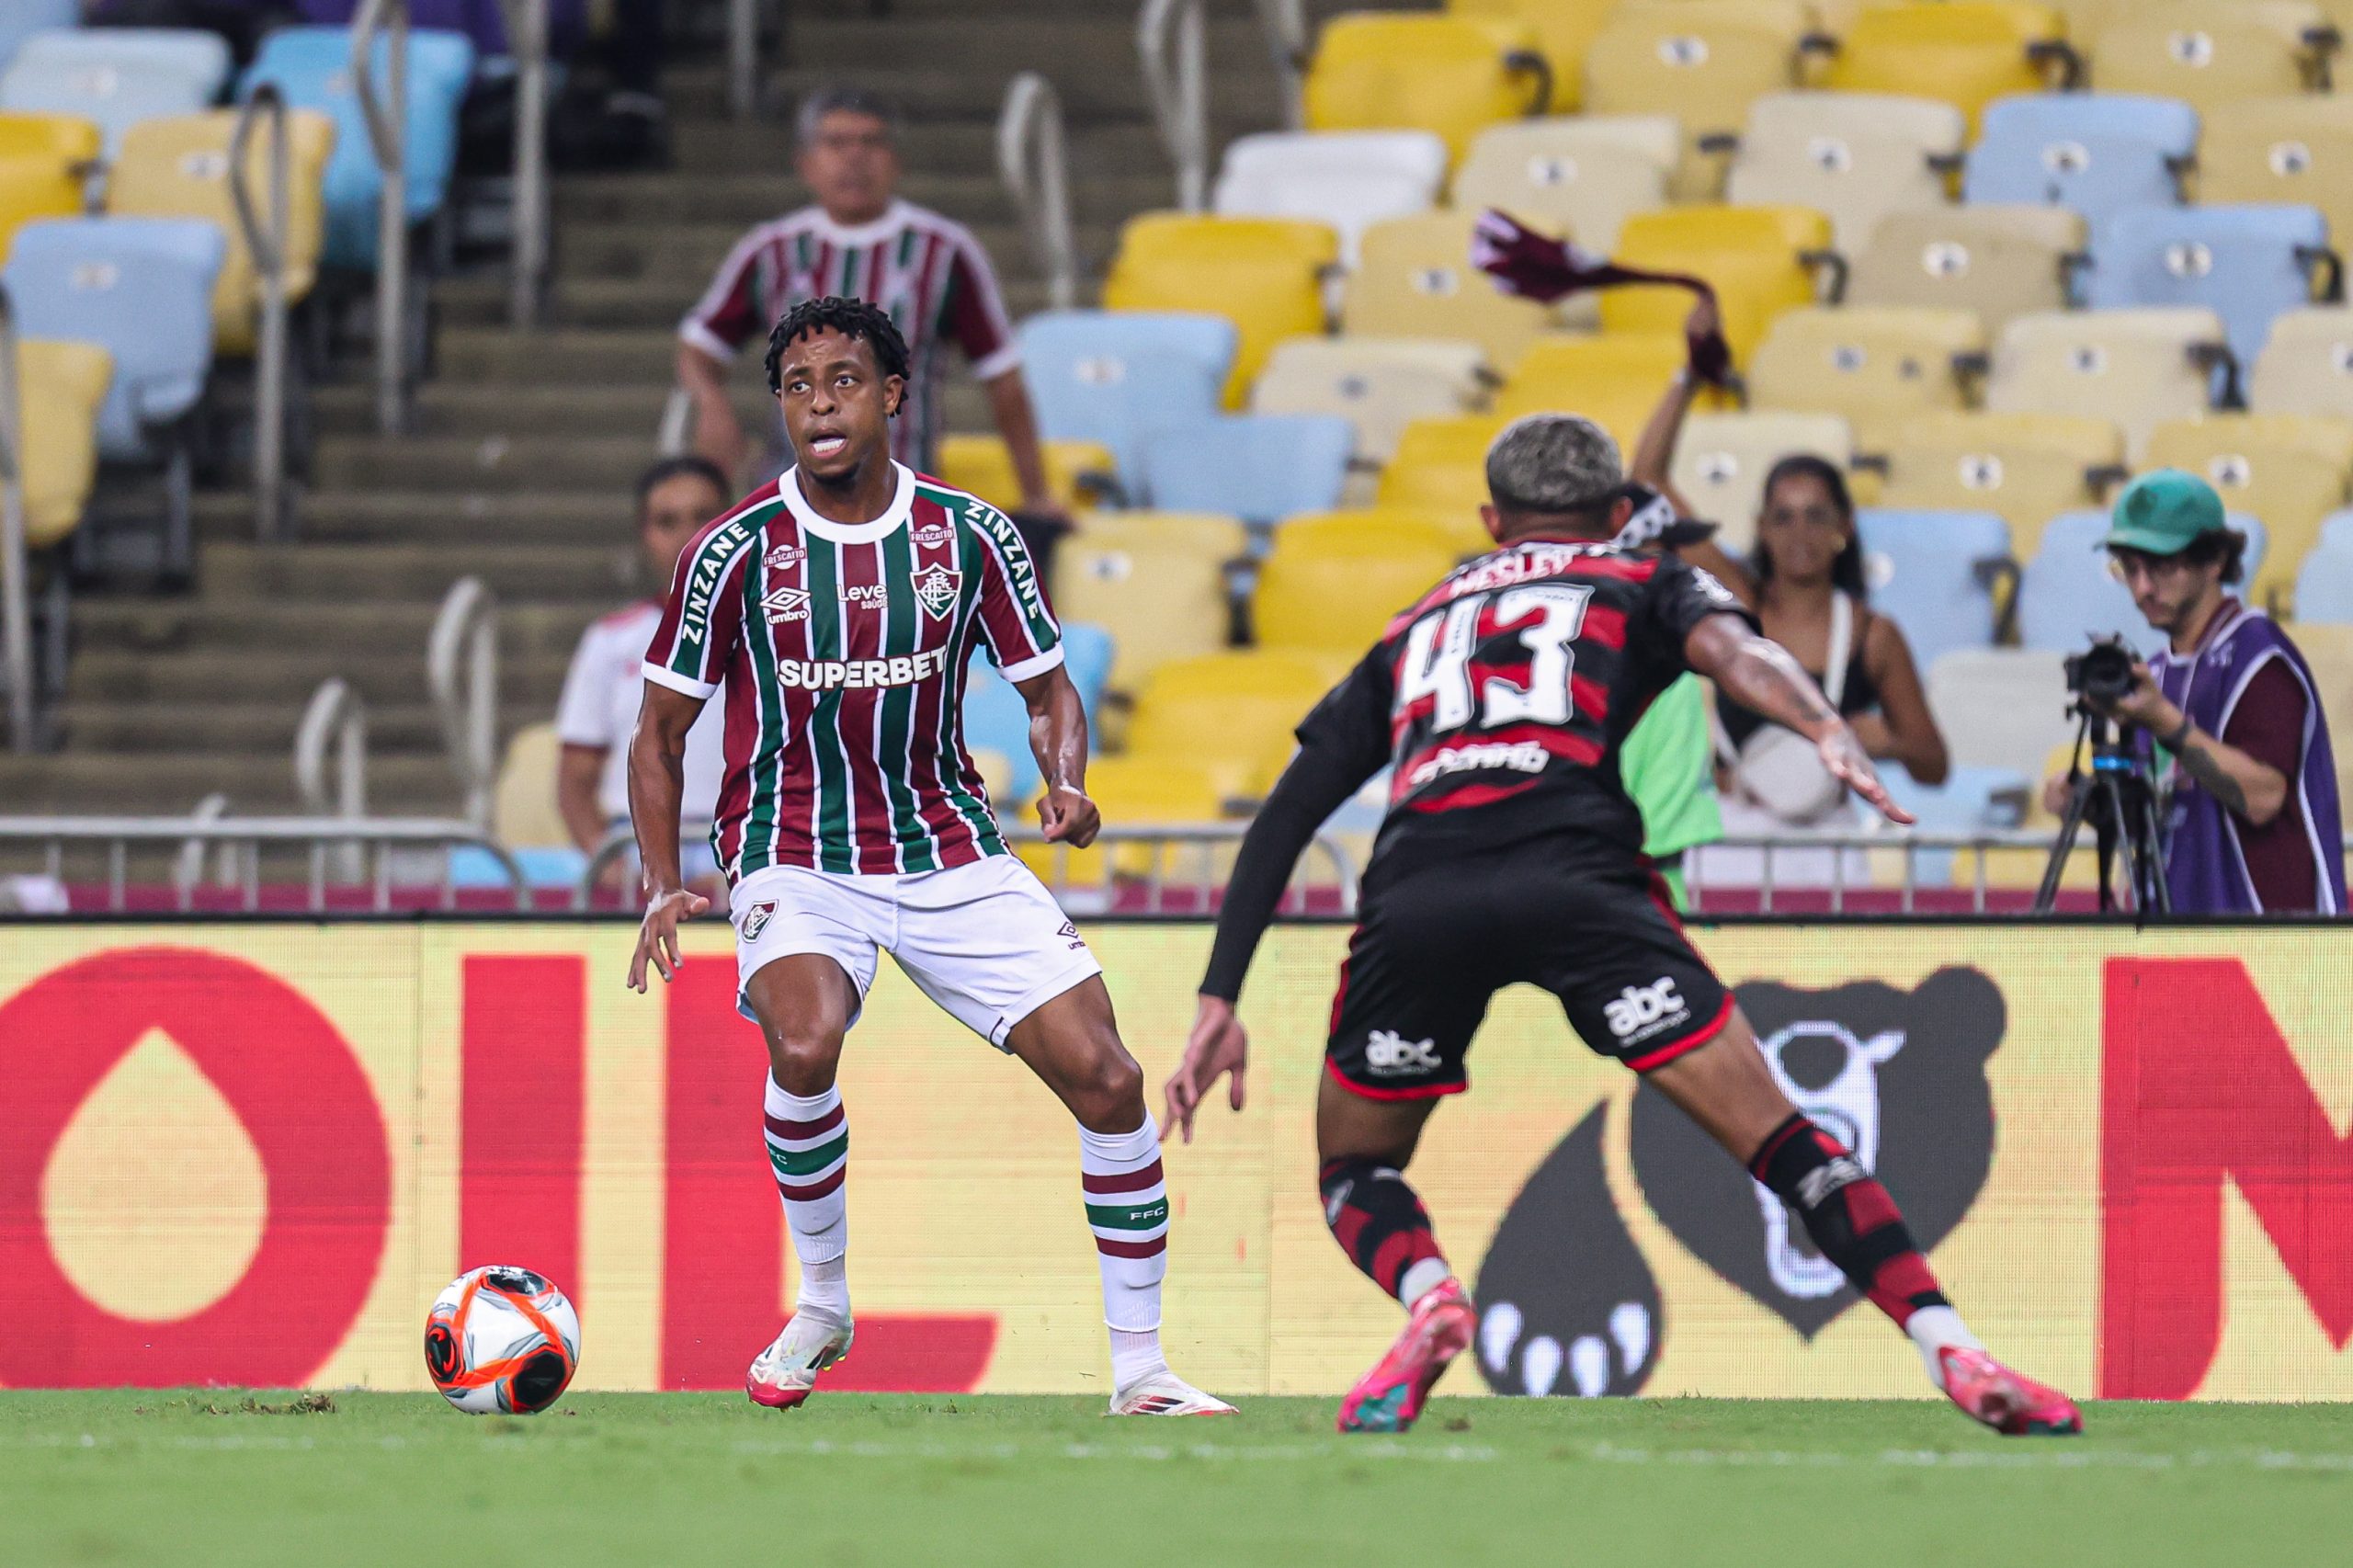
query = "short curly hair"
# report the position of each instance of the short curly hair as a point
(851, 318)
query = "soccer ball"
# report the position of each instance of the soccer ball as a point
(501, 1340)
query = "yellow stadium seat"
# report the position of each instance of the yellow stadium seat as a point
(59, 389)
(1379, 384)
(1414, 278)
(1875, 365)
(1615, 380)
(523, 813)
(1760, 259)
(1076, 472)
(1967, 54)
(2290, 470)
(1999, 260)
(44, 162)
(1440, 464)
(1721, 460)
(1265, 275)
(2025, 467)
(2208, 54)
(1857, 157)
(1231, 715)
(1423, 71)
(2137, 368)
(1136, 791)
(2293, 148)
(2306, 367)
(1564, 30)
(179, 168)
(1459, 531)
(1158, 578)
(2329, 651)
(1582, 175)
(1701, 60)
(1332, 583)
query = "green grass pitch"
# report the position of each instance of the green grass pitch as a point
(226, 1477)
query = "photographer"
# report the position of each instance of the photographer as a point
(2254, 826)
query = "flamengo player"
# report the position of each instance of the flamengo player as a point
(840, 606)
(1510, 854)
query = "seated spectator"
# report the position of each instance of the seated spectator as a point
(675, 498)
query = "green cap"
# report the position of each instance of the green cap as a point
(2161, 513)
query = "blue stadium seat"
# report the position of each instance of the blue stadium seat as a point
(995, 718)
(311, 67)
(1258, 467)
(1110, 376)
(19, 20)
(1088, 652)
(1924, 571)
(2066, 594)
(115, 77)
(2096, 153)
(140, 287)
(2247, 263)
(2324, 584)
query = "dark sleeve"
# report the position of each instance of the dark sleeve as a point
(1342, 742)
(1680, 596)
(2267, 721)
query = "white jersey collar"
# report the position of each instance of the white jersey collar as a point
(902, 501)
(894, 217)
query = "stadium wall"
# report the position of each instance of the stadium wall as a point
(252, 1152)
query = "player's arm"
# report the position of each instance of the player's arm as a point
(1058, 740)
(1762, 676)
(657, 787)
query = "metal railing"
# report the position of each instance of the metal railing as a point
(15, 568)
(1172, 45)
(335, 718)
(265, 239)
(1032, 161)
(742, 57)
(461, 669)
(527, 36)
(387, 122)
(1285, 24)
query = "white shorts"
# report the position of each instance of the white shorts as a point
(986, 941)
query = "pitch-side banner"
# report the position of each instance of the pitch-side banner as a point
(253, 1153)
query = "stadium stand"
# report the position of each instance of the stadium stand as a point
(1332, 583)
(1078, 473)
(22, 19)
(1377, 384)
(2205, 51)
(2001, 260)
(1229, 714)
(1857, 157)
(2096, 153)
(1440, 464)
(2024, 467)
(1701, 62)
(2247, 263)
(2137, 368)
(60, 388)
(2296, 150)
(2289, 470)
(1564, 32)
(1451, 75)
(2067, 595)
(1934, 573)
(1265, 275)
(1159, 577)
(115, 77)
(1348, 180)
(1583, 176)
(1416, 279)
(2325, 585)
(2001, 707)
(1761, 260)
(1967, 54)
(1261, 468)
(1874, 365)
(44, 164)
(2306, 367)
(1108, 376)
(1613, 380)
(1721, 463)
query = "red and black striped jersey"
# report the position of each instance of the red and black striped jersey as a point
(1500, 699)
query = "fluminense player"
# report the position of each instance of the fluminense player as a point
(1510, 853)
(840, 606)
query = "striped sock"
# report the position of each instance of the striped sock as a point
(1127, 1208)
(808, 1140)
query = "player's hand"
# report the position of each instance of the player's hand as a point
(657, 935)
(1844, 755)
(1219, 1046)
(1069, 817)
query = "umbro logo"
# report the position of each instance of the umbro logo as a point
(1069, 933)
(1390, 1053)
(785, 604)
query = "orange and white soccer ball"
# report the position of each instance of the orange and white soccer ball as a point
(502, 1340)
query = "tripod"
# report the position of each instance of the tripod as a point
(2116, 796)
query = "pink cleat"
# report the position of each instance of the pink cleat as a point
(1389, 1398)
(785, 1372)
(2014, 1405)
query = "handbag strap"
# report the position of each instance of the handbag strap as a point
(1842, 647)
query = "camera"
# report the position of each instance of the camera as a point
(2101, 673)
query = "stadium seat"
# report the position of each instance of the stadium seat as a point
(1721, 463)
(1230, 714)
(2004, 707)
(1967, 54)
(1857, 157)
(1581, 176)
(2324, 583)
(1564, 31)
(523, 814)
(2247, 263)
(1875, 366)
(1348, 180)
(1701, 61)
(1265, 274)
(2138, 368)
(2207, 54)
(2307, 365)
(1078, 472)
(2294, 150)
(1416, 279)
(2023, 466)
(1377, 384)
(1423, 71)
(114, 77)
(1440, 464)
(179, 168)
(313, 67)
(997, 720)
(1107, 375)
(2097, 153)
(1159, 577)
(2067, 595)
(1999, 261)
(1138, 792)
(1614, 379)
(1931, 573)
(60, 388)
(1089, 655)
(20, 20)
(1332, 583)
(2290, 470)
(1258, 467)
(44, 162)
(2328, 649)
(1760, 259)
(1459, 531)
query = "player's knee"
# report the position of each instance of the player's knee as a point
(1109, 1094)
(803, 1061)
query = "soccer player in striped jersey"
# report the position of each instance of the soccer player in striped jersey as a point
(839, 607)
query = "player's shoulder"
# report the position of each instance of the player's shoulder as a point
(963, 509)
(914, 215)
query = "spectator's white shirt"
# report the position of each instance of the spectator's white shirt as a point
(599, 708)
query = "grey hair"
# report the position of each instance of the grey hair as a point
(1551, 464)
(840, 99)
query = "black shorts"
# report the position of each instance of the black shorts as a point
(1432, 948)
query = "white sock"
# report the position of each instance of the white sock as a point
(1127, 1208)
(1936, 1328)
(1421, 1280)
(808, 1142)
